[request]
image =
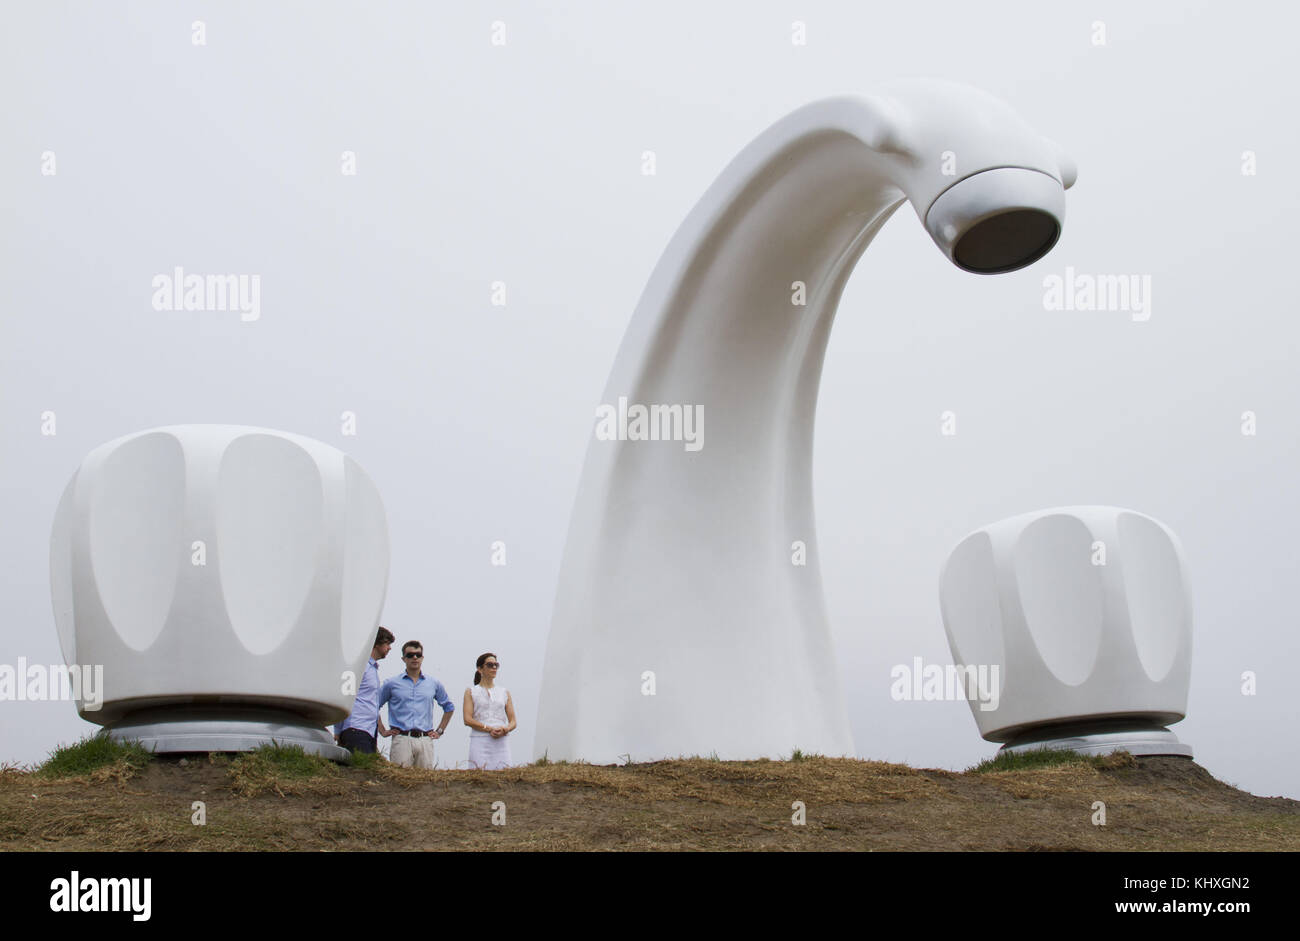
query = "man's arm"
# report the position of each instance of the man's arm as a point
(448, 708)
(370, 684)
(385, 694)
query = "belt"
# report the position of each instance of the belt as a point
(414, 733)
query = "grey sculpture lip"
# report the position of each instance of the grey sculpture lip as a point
(117, 710)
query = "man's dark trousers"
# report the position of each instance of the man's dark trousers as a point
(356, 740)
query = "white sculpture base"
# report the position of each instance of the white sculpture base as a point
(196, 729)
(1101, 738)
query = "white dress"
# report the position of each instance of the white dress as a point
(489, 709)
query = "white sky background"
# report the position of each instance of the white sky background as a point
(522, 164)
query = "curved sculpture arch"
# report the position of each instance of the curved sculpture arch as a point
(678, 564)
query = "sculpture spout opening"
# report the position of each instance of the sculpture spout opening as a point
(689, 617)
(999, 220)
(1007, 241)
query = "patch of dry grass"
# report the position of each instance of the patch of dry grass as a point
(827, 780)
(284, 770)
(1048, 780)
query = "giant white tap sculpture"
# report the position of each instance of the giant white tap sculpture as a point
(228, 579)
(680, 625)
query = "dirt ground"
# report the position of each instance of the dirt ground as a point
(695, 804)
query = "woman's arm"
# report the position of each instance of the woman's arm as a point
(510, 713)
(468, 713)
(467, 709)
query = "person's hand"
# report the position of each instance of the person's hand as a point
(436, 733)
(387, 733)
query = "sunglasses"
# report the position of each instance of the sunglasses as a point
(412, 656)
(489, 665)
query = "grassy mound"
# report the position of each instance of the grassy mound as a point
(303, 803)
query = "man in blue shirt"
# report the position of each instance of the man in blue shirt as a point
(410, 698)
(357, 731)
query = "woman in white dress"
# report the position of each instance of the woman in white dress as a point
(490, 715)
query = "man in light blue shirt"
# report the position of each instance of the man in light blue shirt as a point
(410, 698)
(357, 731)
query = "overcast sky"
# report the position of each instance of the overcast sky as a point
(522, 163)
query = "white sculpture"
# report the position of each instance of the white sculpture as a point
(227, 578)
(680, 553)
(1087, 612)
